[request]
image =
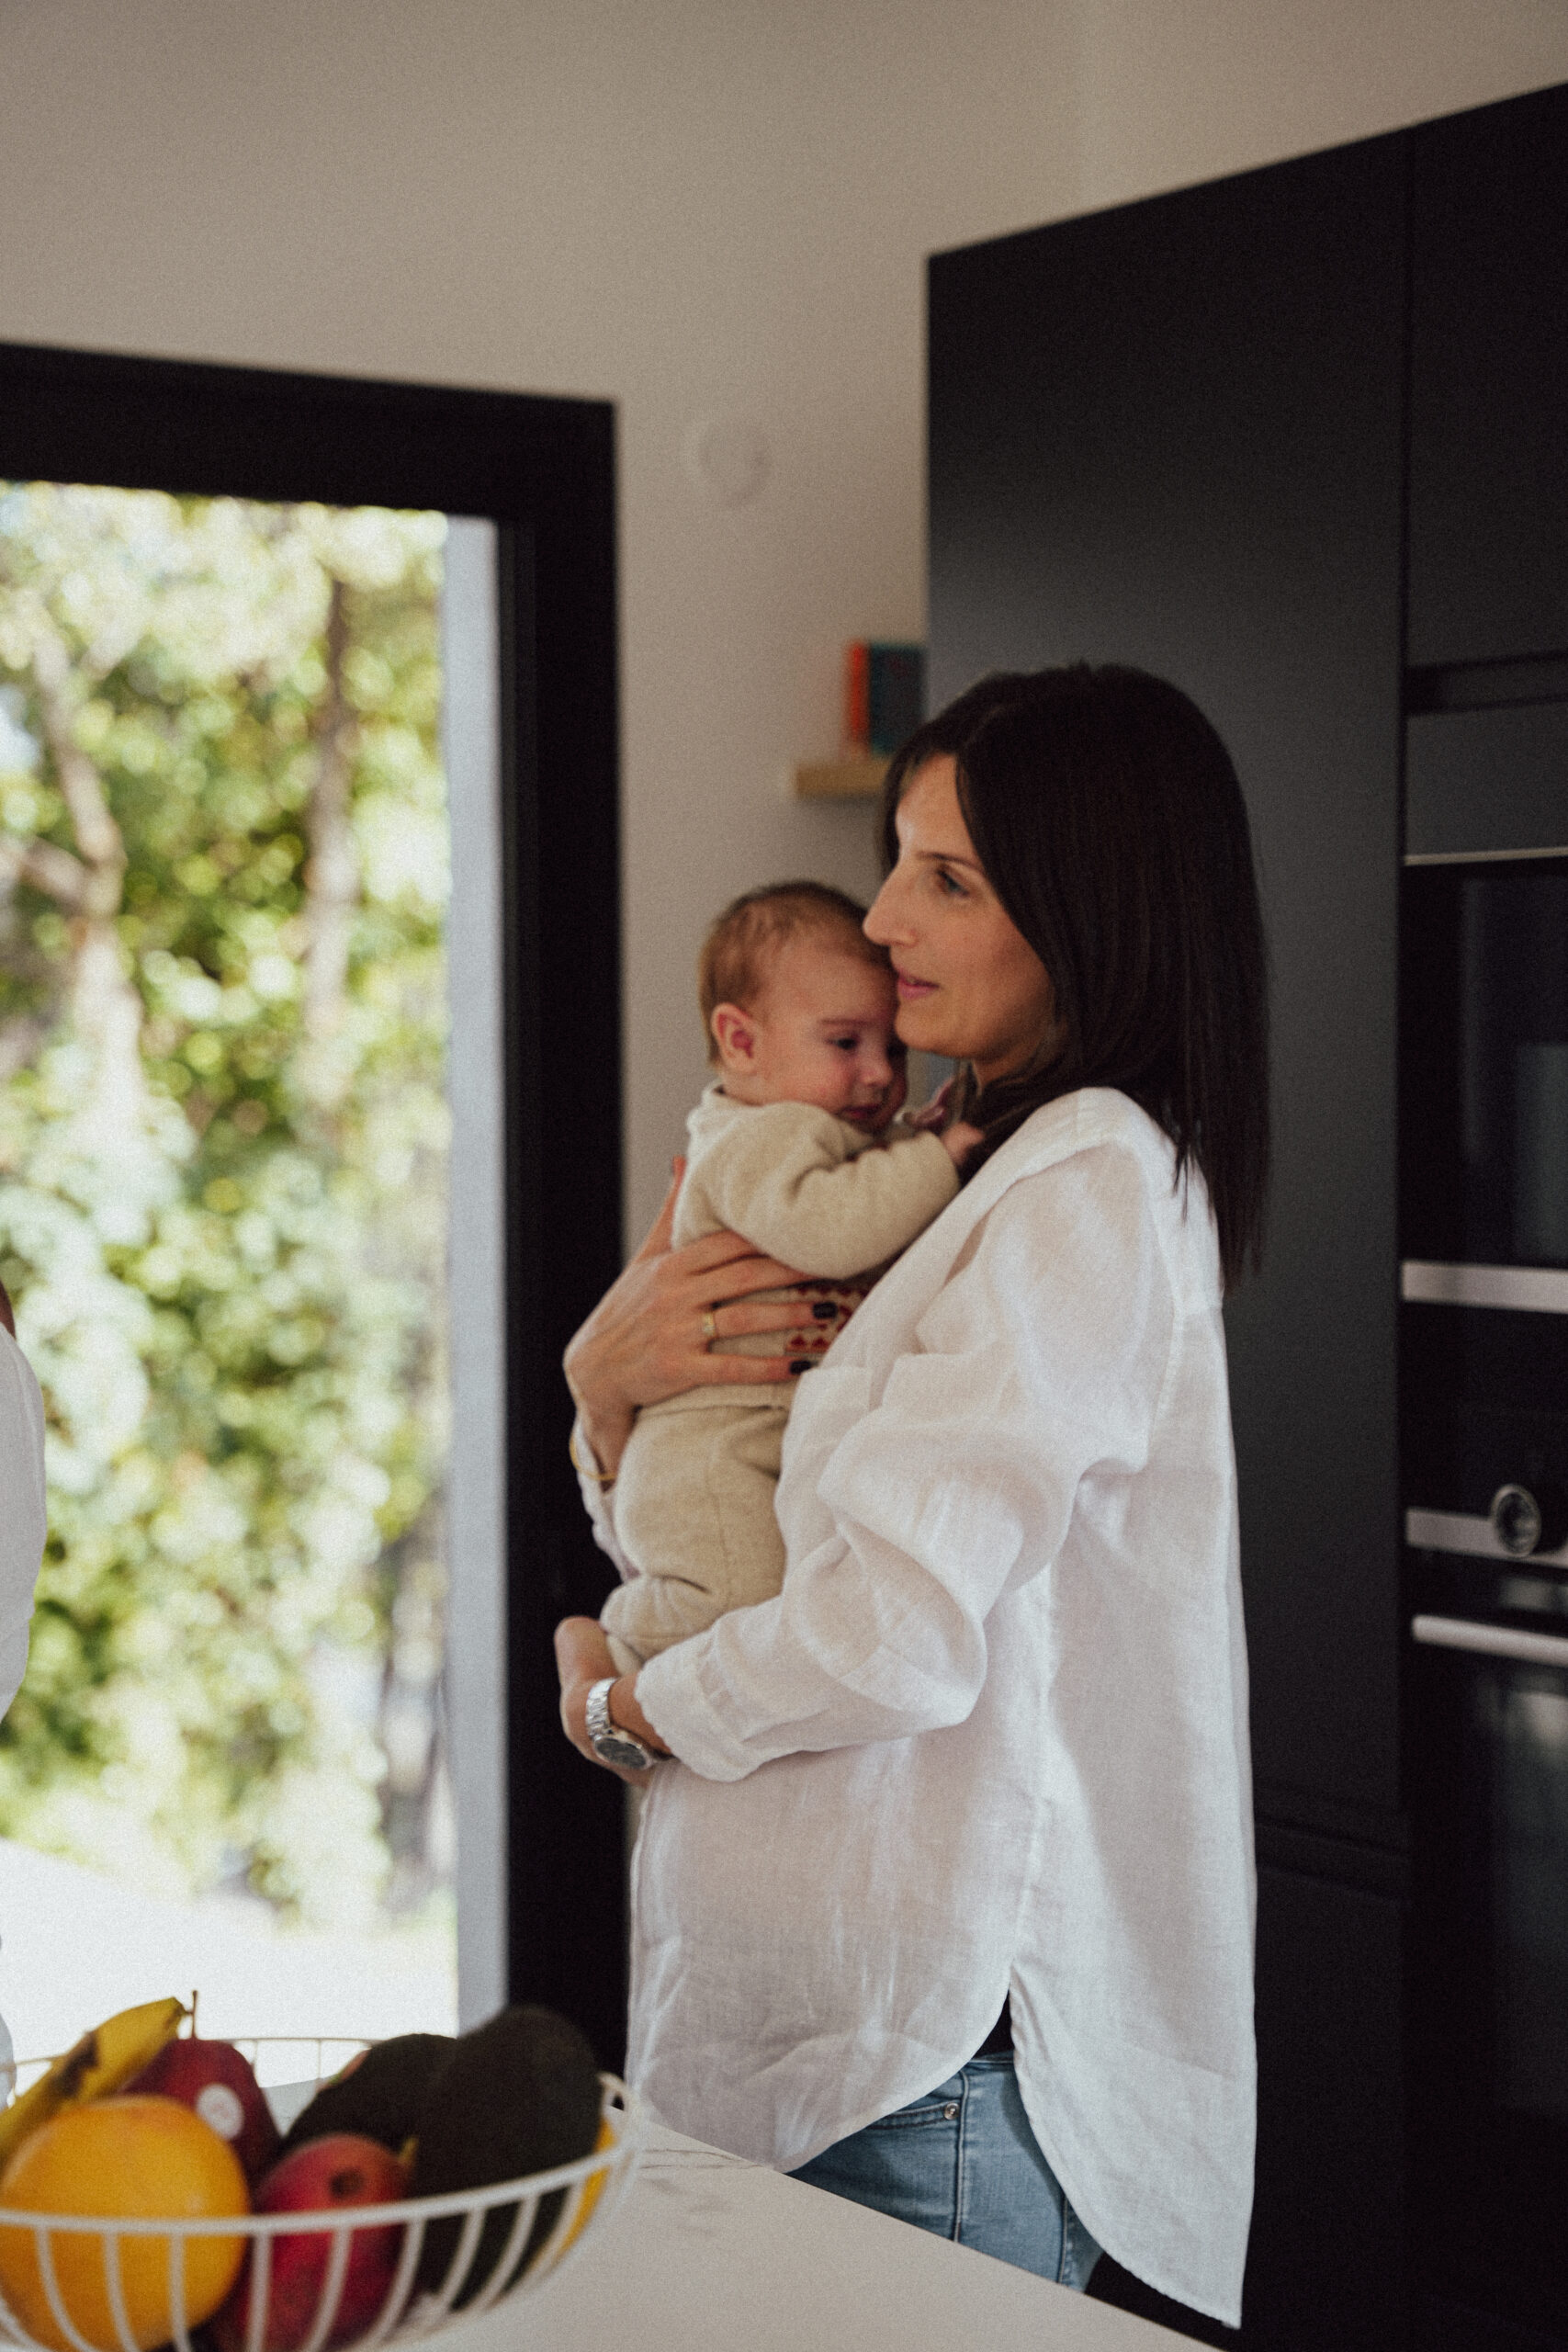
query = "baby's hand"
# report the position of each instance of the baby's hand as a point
(959, 1141)
(930, 1115)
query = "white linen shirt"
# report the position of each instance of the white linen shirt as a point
(23, 1517)
(991, 1737)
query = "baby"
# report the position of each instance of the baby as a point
(794, 1148)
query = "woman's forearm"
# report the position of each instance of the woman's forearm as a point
(583, 1658)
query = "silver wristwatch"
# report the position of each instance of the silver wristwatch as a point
(610, 1744)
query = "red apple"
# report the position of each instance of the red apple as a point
(343, 2169)
(213, 2078)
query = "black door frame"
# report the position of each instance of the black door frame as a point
(543, 470)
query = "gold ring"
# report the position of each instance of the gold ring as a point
(710, 1329)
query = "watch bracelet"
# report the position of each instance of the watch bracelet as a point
(601, 1727)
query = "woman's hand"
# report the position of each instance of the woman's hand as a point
(648, 1337)
(583, 1658)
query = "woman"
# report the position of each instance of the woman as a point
(987, 1752)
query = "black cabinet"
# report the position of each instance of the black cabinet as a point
(1326, 2267)
(1170, 434)
(1191, 434)
(1489, 383)
(1299, 441)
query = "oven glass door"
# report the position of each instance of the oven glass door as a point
(1485, 1064)
(1490, 1978)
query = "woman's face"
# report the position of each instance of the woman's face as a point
(969, 984)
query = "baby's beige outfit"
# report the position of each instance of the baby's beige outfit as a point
(695, 1491)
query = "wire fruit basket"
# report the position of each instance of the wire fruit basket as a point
(492, 2260)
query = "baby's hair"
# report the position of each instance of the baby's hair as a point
(743, 941)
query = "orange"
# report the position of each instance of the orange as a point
(121, 2157)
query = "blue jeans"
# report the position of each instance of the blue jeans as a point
(963, 2161)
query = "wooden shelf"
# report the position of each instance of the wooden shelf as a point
(856, 779)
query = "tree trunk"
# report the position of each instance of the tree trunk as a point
(103, 1007)
(324, 1071)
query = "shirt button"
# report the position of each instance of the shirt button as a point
(950, 2112)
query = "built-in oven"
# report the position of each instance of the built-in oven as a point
(1488, 2112)
(1484, 1385)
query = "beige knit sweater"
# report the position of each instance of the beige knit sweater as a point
(694, 1493)
(806, 1188)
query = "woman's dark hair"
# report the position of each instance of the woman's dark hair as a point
(1110, 823)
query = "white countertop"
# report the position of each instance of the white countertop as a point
(710, 2254)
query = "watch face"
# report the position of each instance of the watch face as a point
(623, 1751)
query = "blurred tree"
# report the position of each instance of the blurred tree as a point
(223, 863)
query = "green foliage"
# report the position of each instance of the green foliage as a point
(222, 1154)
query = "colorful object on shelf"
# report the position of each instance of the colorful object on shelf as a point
(885, 694)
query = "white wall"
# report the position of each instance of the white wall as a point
(695, 206)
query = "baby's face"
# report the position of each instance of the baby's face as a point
(822, 1032)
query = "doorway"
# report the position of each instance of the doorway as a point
(514, 497)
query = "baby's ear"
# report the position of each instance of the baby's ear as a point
(735, 1035)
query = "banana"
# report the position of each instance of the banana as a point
(100, 2063)
(593, 2188)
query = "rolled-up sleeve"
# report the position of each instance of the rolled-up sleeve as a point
(1038, 1366)
(783, 1177)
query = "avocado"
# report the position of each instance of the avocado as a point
(380, 2094)
(518, 2094)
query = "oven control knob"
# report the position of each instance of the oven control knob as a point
(1516, 1520)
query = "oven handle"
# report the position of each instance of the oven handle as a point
(1491, 1641)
